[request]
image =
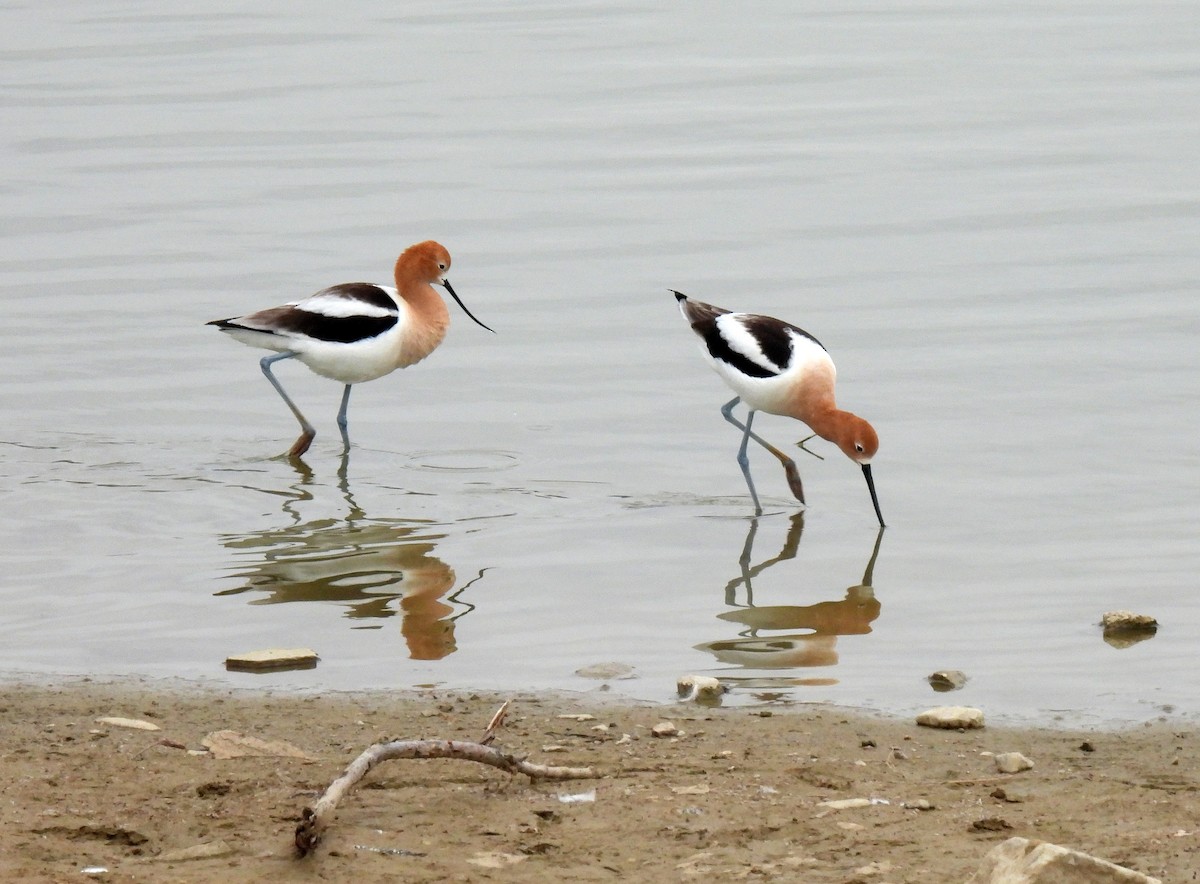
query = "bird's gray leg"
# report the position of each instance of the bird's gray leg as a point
(341, 419)
(742, 458)
(306, 430)
(789, 465)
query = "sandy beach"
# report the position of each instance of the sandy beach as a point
(733, 794)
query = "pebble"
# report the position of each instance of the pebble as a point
(1117, 620)
(132, 723)
(1123, 629)
(273, 659)
(664, 729)
(699, 688)
(605, 671)
(947, 680)
(1012, 762)
(846, 803)
(951, 717)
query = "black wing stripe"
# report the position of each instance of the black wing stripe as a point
(719, 349)
(366, 292)
(284, 321)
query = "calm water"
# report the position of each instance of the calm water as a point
(990, 217)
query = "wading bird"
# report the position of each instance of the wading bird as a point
(778, 368)
(356, 331)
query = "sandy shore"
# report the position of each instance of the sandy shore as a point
(736, 794)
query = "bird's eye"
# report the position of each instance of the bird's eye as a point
(442, 267)
(858, 447)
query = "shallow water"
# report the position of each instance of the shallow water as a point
(988, 216)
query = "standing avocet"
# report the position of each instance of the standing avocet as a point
(780, 369)
(356, 331)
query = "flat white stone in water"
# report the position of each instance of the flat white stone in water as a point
(698, 687)
(273, 658)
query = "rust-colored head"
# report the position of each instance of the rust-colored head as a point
(427, 262)
(857, 438)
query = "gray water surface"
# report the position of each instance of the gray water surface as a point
(989, 215)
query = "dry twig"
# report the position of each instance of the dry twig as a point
(315, 819)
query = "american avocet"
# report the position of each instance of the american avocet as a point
(780, 369)
(356, 331)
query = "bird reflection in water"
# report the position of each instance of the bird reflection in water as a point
(822, 622)
(360, 563)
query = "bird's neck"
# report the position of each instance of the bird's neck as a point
(814, 404)
(826, 421)
(427, 322)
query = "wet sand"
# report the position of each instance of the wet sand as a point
(736, 794)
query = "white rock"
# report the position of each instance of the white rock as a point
(846, 803)
(136, 724)
(664, 729)
(698, 687)
(273, 658)
(1012, 762)
(951, 717)
(1022, 861)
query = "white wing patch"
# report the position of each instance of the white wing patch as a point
(741, 341)
(343, 307)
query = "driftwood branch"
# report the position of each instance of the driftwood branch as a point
(314, 820)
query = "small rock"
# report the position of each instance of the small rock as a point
(846, 803)
(131, 723)
(990, 824)
(699, 688)
(1012, 762)
(273, 659)
(1127, 620)
(1125, 628)
(1022, 861)
(1005, 795)
(607, 671)
(1087, 746)
(951, 717)
(577, 716)
(919, 804)
(664, 729)
(947, 680)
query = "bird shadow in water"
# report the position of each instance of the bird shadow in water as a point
(822, 622)
(362, 564)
